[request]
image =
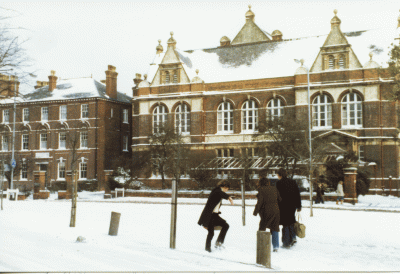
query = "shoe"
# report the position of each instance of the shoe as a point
(219, 245)
(293, 243)
(208, 249)
(286, 246)
(275, 250)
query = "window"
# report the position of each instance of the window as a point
(249, 116)
(6, 116)
(45, 114)
(25, 142)
(62, 140)
(85, 111)
(4, 143)
(342, 63)
(175, 76)
(125, 143)
(351, 110)
(43, 141)
(249, 152)
(84, 139)
(361, 154)
(225, 118)
(167, 77)
(125, 116)
(159, 118)
(182, 119)
(275, 109)
(61, 170)
(63, 112)
(82, 170)
(331, 62)
(24, 171)
(322, 111)
(225, 153)
(25, 114)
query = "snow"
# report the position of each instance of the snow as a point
(35, 236)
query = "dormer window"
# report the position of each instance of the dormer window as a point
(331, 62)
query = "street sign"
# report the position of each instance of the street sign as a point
(13, 163)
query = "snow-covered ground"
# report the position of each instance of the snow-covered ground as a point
(35, 236)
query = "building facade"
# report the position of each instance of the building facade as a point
(220, 97)
(74, 121)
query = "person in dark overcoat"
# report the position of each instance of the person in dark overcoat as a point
(320, 194)
(210, 216)
(267, 206)
(291, 201)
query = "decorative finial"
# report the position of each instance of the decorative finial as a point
(335, 11)
(145, 76)
(53, 72)
(302, 62)
(370, 55)
(159, 42)
(172, 33)
(249, 7)
(197, 71)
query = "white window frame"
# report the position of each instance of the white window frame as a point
(182, 119)
(225, 118)
(275, 108)
(62, 140)
(45, 114)
(25, 142)
(225, 153)
(249, 117)
(84, 111)
(124, 143)
(24, 171)
(84, 137)
(4, 145)
(6, 116)
(43, 141)
(83, 170)
(25, 115)
(125, 118)
(352, 107)
(322, 112)
(159, 118)
(63, 112)
(61, 170)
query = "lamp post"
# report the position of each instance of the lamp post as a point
(309, 133)
(13, 135)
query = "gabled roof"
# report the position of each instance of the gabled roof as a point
(74, 89)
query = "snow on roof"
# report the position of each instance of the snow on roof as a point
(74, 89)
(272, 59)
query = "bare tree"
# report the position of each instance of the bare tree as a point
(73, 143)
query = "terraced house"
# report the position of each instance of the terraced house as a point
(60, 122)
(221, 96)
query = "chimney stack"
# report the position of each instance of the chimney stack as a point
(138, 79)
(111, 82)
(52, 81)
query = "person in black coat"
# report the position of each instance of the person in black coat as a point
(210, 216)
(320, 194)
(290, 194)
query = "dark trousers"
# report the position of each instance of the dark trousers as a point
(216, 221)
(288, 235)
(319, 199)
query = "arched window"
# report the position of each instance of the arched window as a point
(159, 118)
(275, 109)
(249, 116)
(322, 111)
(167, 77)
(342, 62)
(351, 110)
(225, 118)
(331, 62)
(182, 119)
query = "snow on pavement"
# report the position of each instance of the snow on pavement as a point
(35, 236)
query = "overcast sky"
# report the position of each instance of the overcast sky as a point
(80, 39)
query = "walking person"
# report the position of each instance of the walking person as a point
(320, 194)
(340, 193)
(291, 201)
(210, 216)
(267, 206)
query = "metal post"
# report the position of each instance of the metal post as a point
(13, 135)
(172, 238)
(309, 140)
(2, 179)
(264, 248)
(243, 203)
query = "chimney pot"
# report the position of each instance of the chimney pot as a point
(52, 80)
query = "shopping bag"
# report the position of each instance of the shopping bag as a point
(299, 228)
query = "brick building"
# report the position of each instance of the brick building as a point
(82, 116)
(222, 95)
